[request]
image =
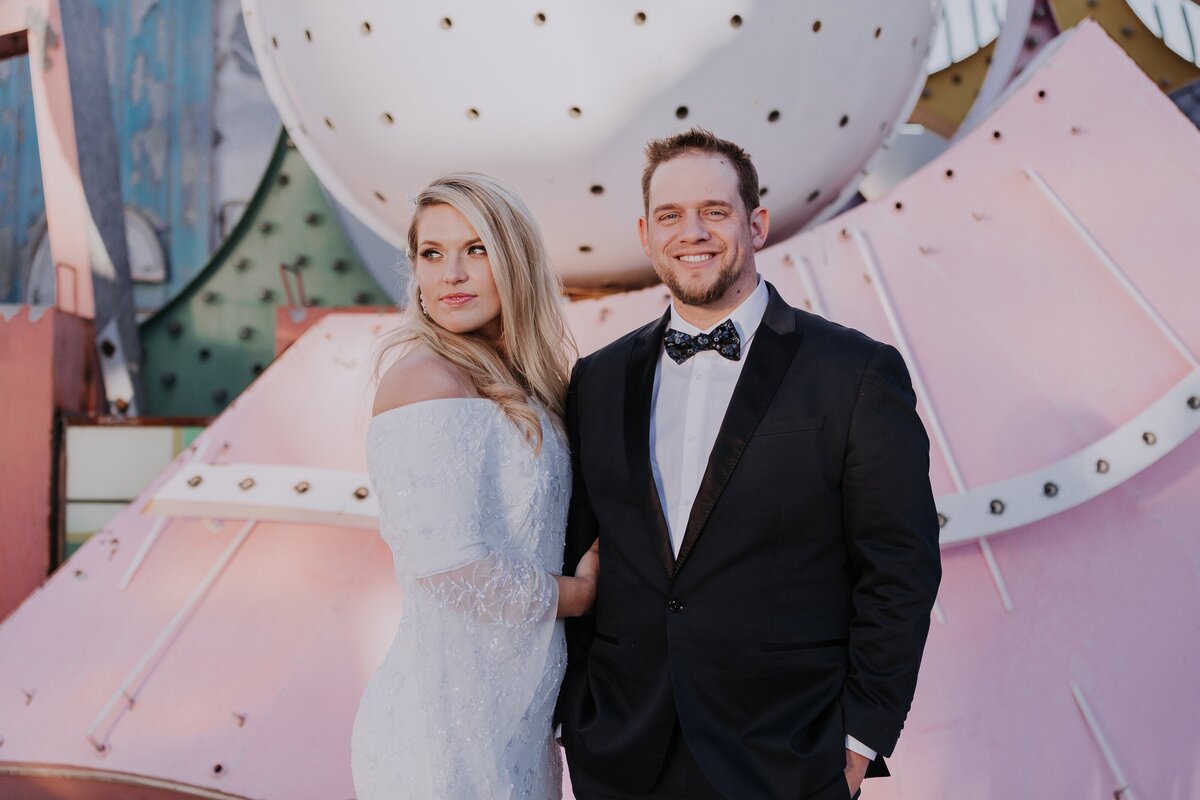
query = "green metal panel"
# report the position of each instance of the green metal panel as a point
(205, 346)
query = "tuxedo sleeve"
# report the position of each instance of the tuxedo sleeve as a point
(582, 531)
(891, 531)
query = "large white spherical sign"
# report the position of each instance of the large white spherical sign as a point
(559, 98)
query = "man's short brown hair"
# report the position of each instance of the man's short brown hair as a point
(699, 140)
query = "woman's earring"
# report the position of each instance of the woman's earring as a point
(424, 307)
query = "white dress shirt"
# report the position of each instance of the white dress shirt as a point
(694, 396)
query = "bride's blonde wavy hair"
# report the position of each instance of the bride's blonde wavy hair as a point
(531, 362)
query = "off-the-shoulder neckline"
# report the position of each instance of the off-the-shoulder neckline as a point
(421, 403)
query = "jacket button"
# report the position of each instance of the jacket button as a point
(675, 605)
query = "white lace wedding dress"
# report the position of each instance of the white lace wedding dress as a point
(460, 708)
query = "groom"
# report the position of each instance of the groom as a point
(758, 480)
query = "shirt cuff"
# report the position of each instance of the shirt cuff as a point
(860, 748)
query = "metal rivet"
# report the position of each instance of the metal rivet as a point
(996, 135)
(242, 264)
(257, 369)
(220, 396)
(361, 493)
(340, 265)
(366, 28)
(1193, 402)
(997, 507)
(80, 574)
(167, 379)
(195, 481)
(539, 18)
(209, 296)
(241, 719)
(1149, 438)
(1127, 31)
(597, 189)
(956, 79)
(387, 118)
(121, 405)
(266, 295)
(575, 112)
(899, 206)
(844, 121)
(1050, 489)
(942, 520)
(379, 196)
(639, 18)
(283, 179)
(1041, 94)
(816, 26)
(472, 113)
(312, 218)
(878, 32)
(362, 297)
(585, 248)
(108, 348)
(773, 116)
(265, 227)
(736, 21)
(218, 769)
(681, 112)
(447, 23)
(329, 124)
(245, 484)
(245, 332)
(1102, 466)
(308, 34)
(814, 194)
(204, 354)
(762, 192)
(949, 174)
(302, 487)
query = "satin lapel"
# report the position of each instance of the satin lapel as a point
(639, 388)
(771, 354)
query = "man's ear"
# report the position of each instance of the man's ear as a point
(760, 223)
(643, 234)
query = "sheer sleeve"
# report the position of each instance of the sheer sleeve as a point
(478, 600)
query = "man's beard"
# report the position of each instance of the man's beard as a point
(726, 276)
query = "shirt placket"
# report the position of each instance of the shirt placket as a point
(692, 459)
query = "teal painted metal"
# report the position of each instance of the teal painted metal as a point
(160, 57)
(208, 343)
(21, 199)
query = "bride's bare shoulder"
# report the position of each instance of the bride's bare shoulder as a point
(419, 375)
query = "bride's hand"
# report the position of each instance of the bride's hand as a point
(589, 566)
(577, 595)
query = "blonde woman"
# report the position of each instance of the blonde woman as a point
(468, 458)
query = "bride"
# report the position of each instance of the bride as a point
(467, 455)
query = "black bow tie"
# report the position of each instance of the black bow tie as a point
(724, 339)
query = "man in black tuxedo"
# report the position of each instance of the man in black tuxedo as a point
(758, 480)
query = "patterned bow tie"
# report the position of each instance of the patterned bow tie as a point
(724, 339)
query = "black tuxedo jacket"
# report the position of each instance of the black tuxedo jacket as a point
(797, 609)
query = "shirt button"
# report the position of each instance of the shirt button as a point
(675, 605)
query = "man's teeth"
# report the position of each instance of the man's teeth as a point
(696, 259)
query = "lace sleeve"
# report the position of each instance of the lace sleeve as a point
(439, 500)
